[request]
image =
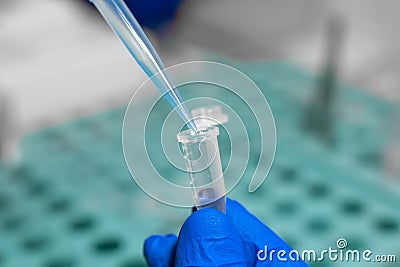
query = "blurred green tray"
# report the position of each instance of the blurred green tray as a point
(72, 202)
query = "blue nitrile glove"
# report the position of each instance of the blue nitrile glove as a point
(153, 13)
(211, 238)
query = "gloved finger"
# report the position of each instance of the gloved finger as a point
(209, 238)
(258, 239)
(250, 227)
(159, 251)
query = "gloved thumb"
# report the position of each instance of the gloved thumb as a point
(209, 238)
(159, 251)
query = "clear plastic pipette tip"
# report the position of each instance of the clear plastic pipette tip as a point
(124, 24)
(182, 111)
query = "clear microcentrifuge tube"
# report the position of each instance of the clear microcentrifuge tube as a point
(203, 163)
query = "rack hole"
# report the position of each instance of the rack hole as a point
(370, 158)
(81, 224)
(22, 175)
(319, 190)
(288, 174)
(14, 222)
(108, 245)
(35, 243)
(352, 207)
(5, 202)
(38, 189)
(59, 205)
(387, 225)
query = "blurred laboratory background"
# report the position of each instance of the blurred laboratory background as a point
(330, 71)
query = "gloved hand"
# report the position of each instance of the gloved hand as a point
(211, 238)
(153, 13)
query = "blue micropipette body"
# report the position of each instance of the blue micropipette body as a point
(125, 26)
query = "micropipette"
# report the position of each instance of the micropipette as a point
(125, 26)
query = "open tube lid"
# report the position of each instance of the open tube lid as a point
(209, 116)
